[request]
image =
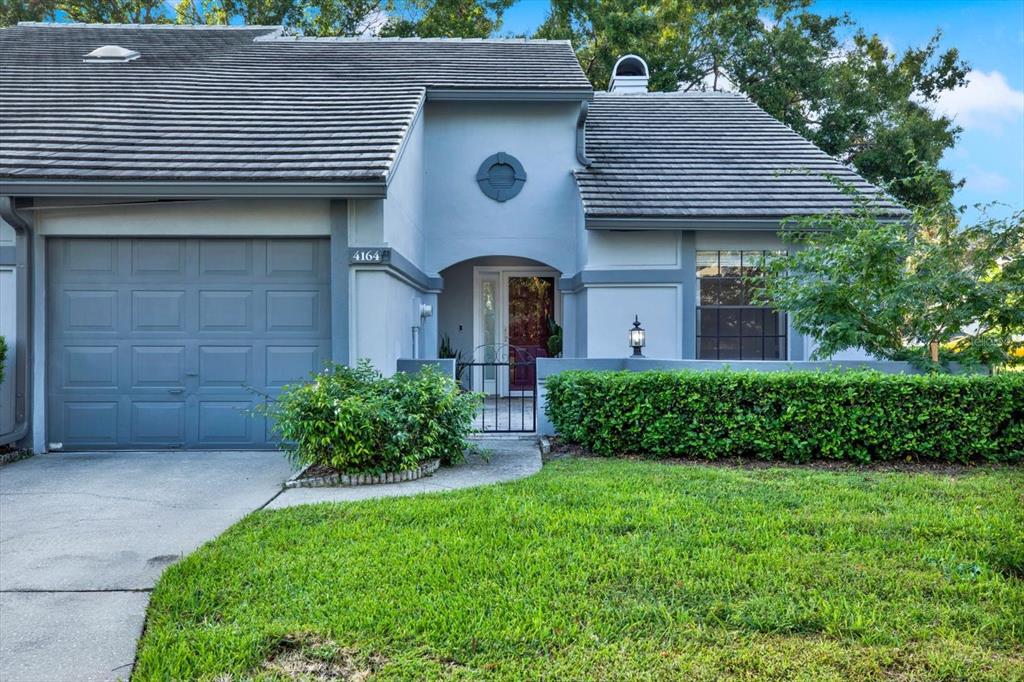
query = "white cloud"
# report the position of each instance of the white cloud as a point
(987, 102)
(987, 181)
(723, 83)
(373, 23)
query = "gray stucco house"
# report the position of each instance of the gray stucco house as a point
(196, 216)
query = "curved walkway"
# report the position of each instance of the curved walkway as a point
(502, 460)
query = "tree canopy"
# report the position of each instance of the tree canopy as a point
(424, 18)
(896, 288)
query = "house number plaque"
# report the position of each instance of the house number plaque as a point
(369, 256)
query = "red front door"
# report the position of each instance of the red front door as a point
(531, 305)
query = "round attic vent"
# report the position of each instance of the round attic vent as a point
(501, 176)
(111, 53)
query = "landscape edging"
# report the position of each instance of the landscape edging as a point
(339, 479)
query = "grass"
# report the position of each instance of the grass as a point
(610, 569)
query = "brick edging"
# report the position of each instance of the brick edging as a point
(425, 469)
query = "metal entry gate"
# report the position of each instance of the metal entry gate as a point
(509, 406)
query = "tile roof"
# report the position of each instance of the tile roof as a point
(691, 156)
(237, 104)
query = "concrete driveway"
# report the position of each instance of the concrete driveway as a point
(84, 537)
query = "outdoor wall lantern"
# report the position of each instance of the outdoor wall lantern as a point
(637, 337)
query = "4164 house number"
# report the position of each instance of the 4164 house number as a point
(368, 256)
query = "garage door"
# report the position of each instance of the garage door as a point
(170, 343)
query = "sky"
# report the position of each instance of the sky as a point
(989, 35)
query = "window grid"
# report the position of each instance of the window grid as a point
(723, 296)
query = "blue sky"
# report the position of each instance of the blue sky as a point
(989, 35)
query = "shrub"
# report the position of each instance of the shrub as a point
(356, 421)
(792, 416)
(3, 357)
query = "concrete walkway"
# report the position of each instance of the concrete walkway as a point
(84, 537)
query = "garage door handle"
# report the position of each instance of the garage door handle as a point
(175, 390)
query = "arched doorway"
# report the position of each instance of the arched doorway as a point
(497, 315)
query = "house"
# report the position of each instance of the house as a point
(196, 216)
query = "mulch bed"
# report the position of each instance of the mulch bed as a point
(318, 470)
(903, 466)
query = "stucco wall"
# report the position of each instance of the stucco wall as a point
(461, 222)
(633, 250)
(219, 217)
(366, 222)
(382, 313)
(611, 311)
(6, 234)
(403, 210)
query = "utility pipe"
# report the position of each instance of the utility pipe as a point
(581, 134)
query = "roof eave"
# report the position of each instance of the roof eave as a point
(192, 190)
(700, 223)
(450, 94)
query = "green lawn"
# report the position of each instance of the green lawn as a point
(608, 569)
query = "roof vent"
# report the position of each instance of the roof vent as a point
(630, 75)
(111, 53)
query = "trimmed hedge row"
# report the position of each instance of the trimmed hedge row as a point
(794, 416)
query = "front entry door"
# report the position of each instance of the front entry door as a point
(531, 308)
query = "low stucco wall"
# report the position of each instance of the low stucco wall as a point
(413, 366)
(547, 367)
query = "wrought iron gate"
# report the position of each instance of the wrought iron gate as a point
(509, 388)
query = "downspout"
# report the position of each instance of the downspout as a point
(23, 345)
(581, 135)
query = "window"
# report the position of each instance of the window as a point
(729, 326)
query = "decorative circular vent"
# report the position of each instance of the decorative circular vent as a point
(501, 176)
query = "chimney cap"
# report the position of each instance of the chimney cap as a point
(629, 75)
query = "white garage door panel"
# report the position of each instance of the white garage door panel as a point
(170, 343)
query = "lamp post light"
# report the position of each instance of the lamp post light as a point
(637, 337)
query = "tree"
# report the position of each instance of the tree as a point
(424, 18)
(849, 94)
(897, 289)
(448, 18)
(308, 17)
(13, 11)
(115, 11)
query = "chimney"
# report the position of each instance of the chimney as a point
(629, 76)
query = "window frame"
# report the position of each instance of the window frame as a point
(781, 335)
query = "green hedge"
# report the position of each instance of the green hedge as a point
(792, 416)
(3, 357)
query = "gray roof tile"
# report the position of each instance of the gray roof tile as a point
(235, 104)
(665, 156)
